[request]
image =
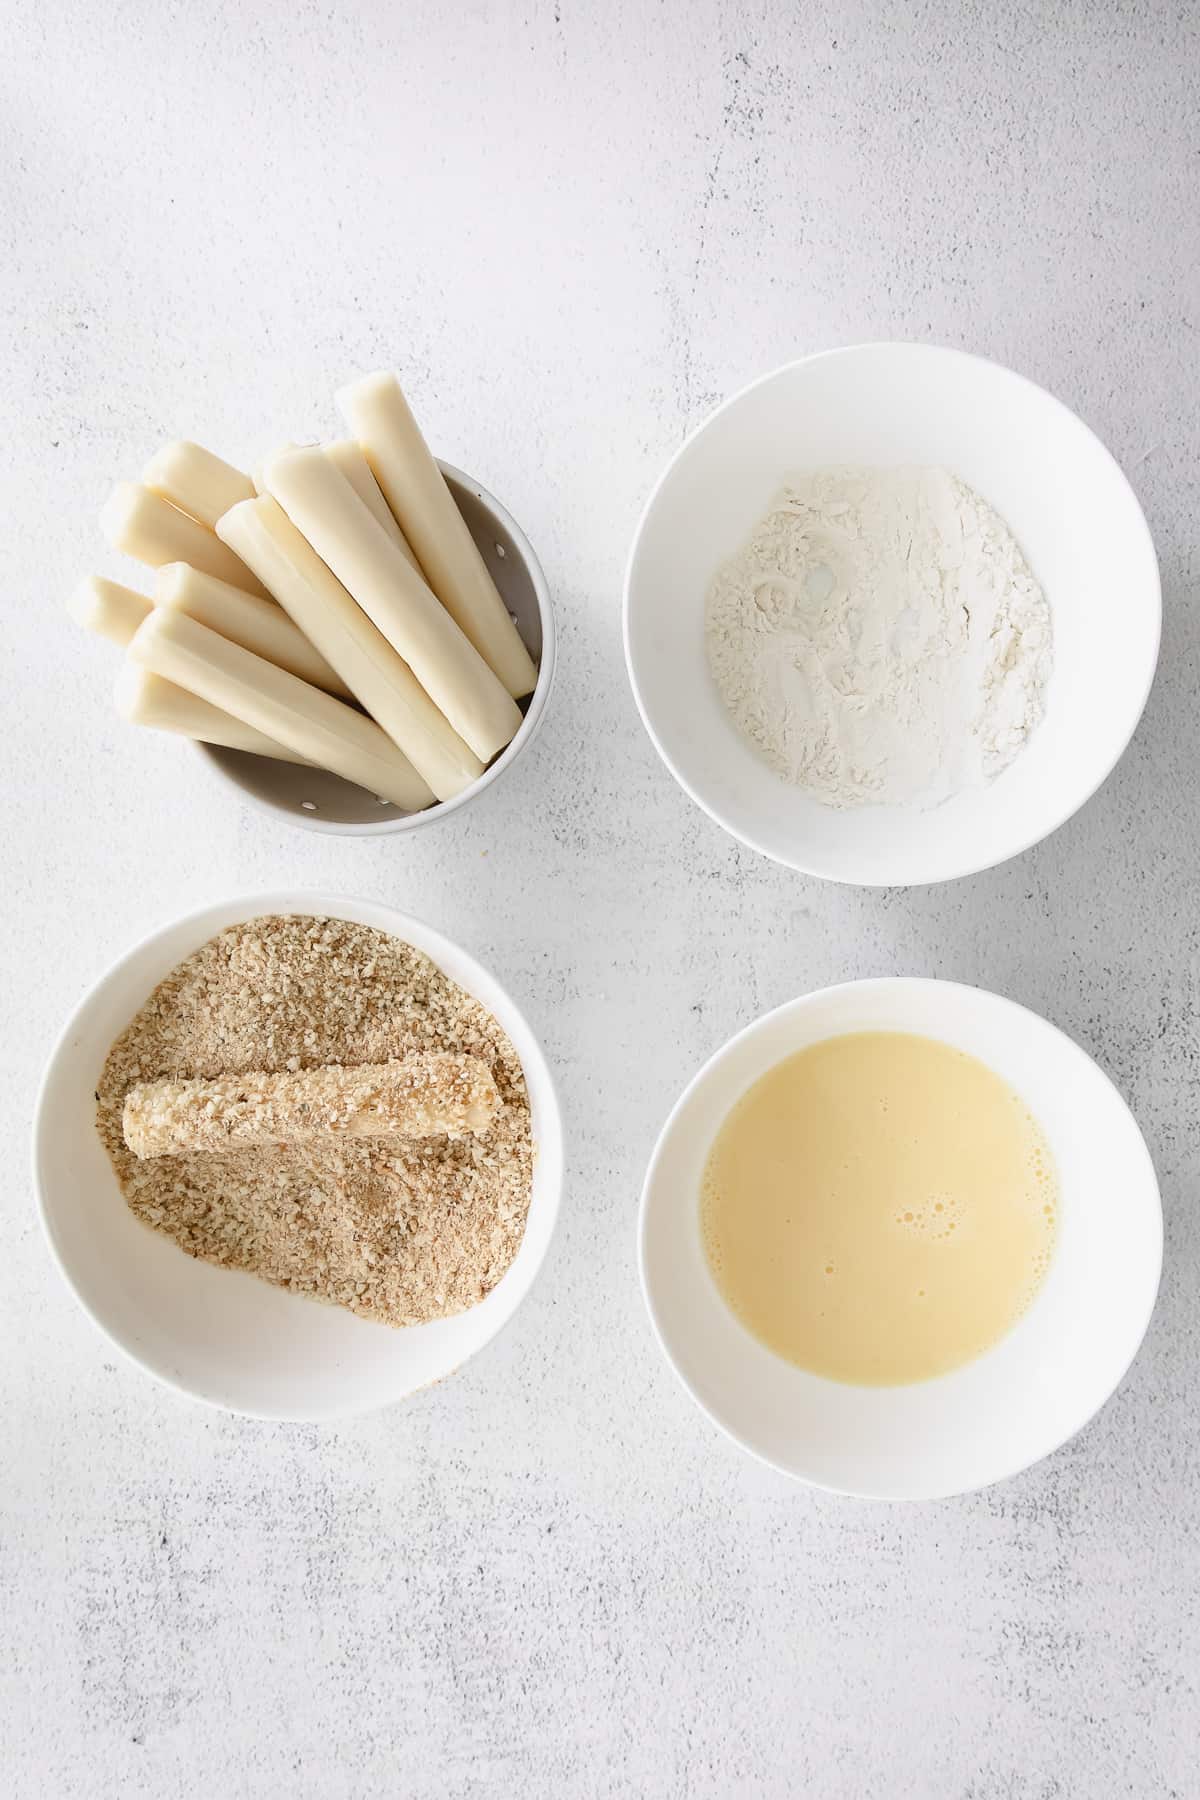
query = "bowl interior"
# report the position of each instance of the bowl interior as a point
(1067, 503)
(322, 802)
(1020, 1400)
(221, 1335)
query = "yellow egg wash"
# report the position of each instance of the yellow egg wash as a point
(879, 1208)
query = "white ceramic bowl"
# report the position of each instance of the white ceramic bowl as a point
(318, 801)
(1039, 1385)
(218, 1334)
(1068, 504)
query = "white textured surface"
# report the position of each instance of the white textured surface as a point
(573, 229)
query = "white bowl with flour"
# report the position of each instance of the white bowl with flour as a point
(218, 1334)
(990, 495)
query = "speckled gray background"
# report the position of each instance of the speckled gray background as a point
(574, 229)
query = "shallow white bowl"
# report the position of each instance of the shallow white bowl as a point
(1067, 502)
(218, 1334)
(1039, 1385)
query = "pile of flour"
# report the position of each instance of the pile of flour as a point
(880, 639)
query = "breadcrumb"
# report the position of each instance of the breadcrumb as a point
(401, 1230)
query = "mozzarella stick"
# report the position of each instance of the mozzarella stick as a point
(323, 506)
(116, 612)
(259, 477)
(302, 718)
(148, 527)
(262, 533)
(245, 619)
(108, 608)
(145, 699)
(428, 1094)
(348, 456)
(415, 489)
(196, 481)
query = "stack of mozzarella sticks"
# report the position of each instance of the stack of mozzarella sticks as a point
(334, 610)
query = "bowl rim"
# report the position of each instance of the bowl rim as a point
(390, 822)
(249, 906)
(1153, 600)
(799, 1003)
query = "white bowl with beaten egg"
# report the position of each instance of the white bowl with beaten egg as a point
(1041, 1381)
(1067, 504)
(218, 1334)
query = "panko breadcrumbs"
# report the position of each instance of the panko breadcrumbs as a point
(401, 1230)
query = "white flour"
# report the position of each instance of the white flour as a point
(880, 638)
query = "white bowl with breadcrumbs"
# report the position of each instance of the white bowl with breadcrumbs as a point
(217, 1334)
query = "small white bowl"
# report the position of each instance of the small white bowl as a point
(1070, 508)
(1022, 1399)
(318, 801)
(218, 1334)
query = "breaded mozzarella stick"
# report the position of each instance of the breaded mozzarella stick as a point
(428, 1094)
